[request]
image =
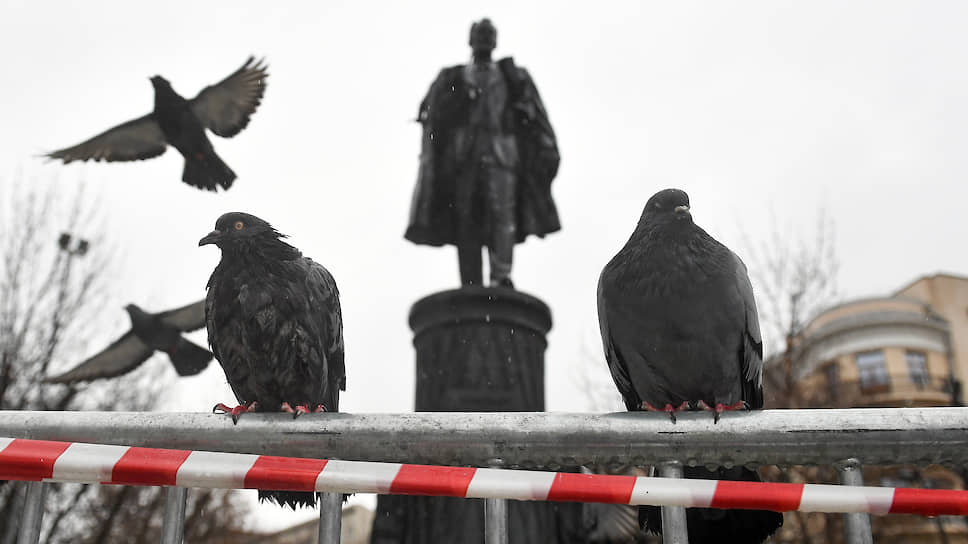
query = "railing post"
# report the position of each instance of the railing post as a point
(674, 529)
(33, 513)
(857, 525)
(495, 521)
(330, 517)
(173, 523)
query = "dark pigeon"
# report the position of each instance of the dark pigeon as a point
(223, 108)
(149, 333)
(274, 323)
(680, 331)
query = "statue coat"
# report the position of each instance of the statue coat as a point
(433, 217)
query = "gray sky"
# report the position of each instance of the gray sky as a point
(749, 107)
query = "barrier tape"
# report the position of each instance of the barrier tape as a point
(41, 460)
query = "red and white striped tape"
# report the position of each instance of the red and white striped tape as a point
(40, 460)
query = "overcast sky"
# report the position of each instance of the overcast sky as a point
(750, 107)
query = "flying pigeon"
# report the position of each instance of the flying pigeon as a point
(149, 333)
(274, 324)
(223, 108)
(680, 331)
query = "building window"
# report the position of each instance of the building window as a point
(872, 370)
(917, 363)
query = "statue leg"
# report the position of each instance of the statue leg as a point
(501, 203)
(469, 259)
(468, 237)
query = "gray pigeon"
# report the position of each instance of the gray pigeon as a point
(149, 333)
(680, 331)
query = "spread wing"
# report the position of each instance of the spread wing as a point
(752, 355)
(123, 356)
(617, 365)
(225, 108)
(135, 140)
(186, 318)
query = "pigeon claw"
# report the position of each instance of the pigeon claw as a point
(297, 411)
(669, 409)
(720, 408)
(235, 412)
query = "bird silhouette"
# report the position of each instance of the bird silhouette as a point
(224, 108)
(149, 333)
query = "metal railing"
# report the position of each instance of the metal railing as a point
(845, 439)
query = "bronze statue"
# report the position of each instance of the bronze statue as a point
(487, 161)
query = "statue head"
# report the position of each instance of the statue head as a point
(483, 38)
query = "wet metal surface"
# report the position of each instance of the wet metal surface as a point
(534, 440)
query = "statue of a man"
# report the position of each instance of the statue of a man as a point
(487, 161)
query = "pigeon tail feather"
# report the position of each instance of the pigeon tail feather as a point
(189, 358)
(206, 170)
(292, 499)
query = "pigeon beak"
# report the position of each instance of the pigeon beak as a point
(682, 210)
(211, 238)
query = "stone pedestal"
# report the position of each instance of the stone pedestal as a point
(479, 349)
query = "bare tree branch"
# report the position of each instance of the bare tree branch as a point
(52, 292)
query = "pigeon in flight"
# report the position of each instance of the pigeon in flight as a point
(223, 108)
(149, 333)
(680, 331)
(274, 324)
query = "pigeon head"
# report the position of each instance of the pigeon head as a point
(238, 229)
(666, 206)
(159, 83)
(137, 315)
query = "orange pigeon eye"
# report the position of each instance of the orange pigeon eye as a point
(239, 225)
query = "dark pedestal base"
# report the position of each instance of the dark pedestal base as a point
(479, 349)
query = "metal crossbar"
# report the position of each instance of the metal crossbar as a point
(843, 438)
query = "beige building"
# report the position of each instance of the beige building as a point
(909, 348)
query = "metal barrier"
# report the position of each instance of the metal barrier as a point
(843, 438)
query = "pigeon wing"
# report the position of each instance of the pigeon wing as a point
(616, 361)
(135, 140)
(321, 314)
(752, 354)
(186, 318)
(225, 108)
(123, 356)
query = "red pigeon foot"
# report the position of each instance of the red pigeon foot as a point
(299, 409)
(235, 412)
(669, 409)
(720, 408)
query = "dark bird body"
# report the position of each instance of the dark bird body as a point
(274, 324)
(223, 108)
(149, 333)
(679, 325)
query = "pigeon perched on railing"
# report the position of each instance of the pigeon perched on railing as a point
(223, 108)
(149, 333)
(680, 331)
(274, 323)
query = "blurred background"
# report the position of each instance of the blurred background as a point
(821, 140)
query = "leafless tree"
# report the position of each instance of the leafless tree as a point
(794, 273)
(55, 279)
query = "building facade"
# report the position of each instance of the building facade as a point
(907, 349)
